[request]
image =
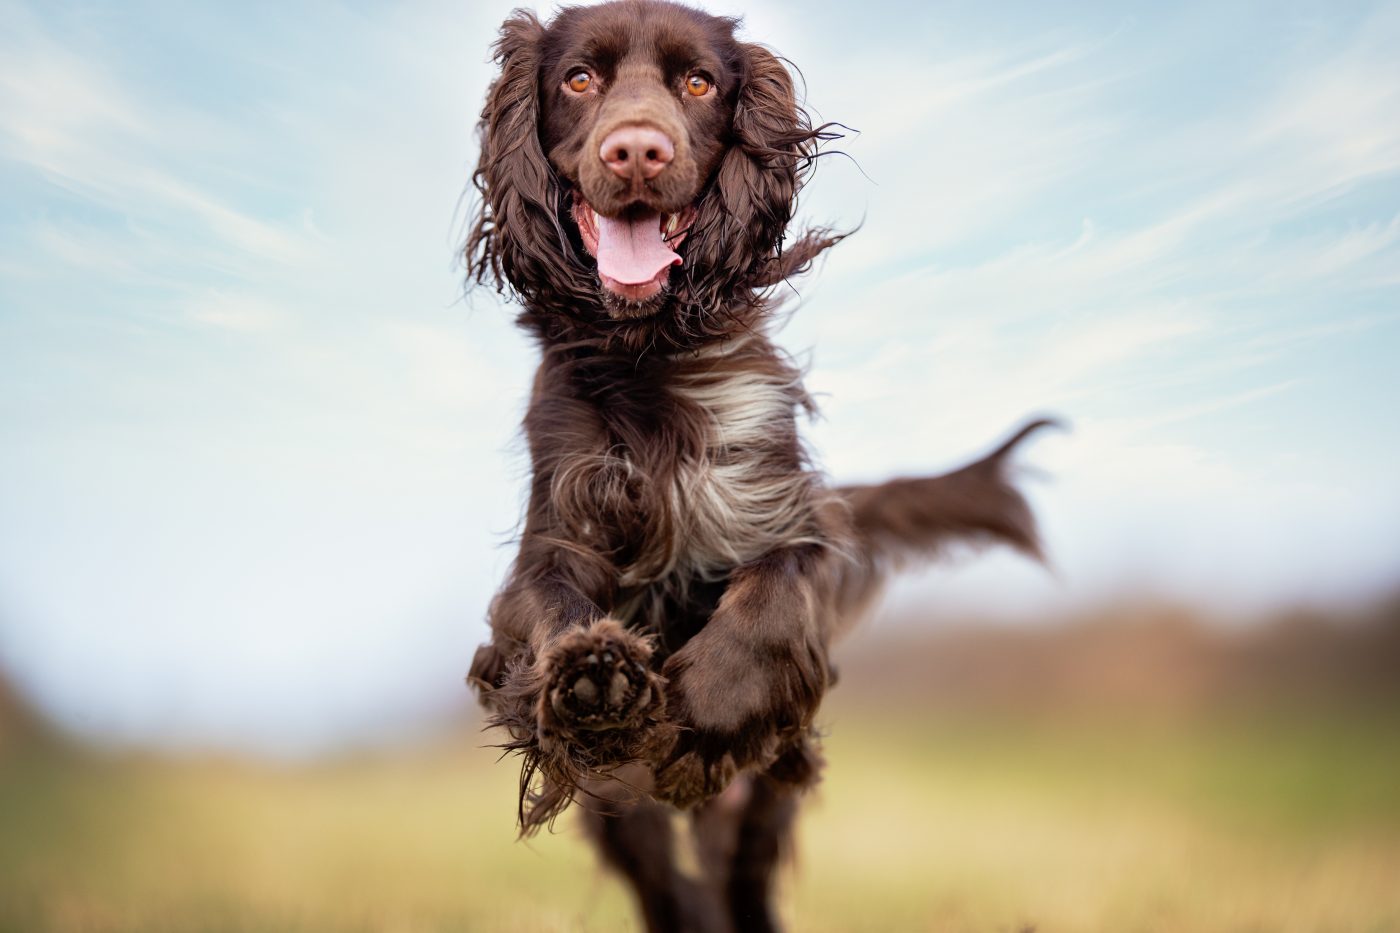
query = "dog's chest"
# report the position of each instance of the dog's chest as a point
(737, 489)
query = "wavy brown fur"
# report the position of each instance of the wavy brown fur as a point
(663, 637)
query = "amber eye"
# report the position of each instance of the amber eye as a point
(579, 81)
(697, 85)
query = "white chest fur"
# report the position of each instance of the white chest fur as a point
(744, 494)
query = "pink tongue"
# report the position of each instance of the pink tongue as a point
(631, 251)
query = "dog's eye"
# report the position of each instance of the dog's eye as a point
(579, 81)
(698, 85)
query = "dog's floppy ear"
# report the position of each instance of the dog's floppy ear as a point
(739, 244)
(515, 239)
(761, 171)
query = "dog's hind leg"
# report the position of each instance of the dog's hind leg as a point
(636, 838)
(744, 834)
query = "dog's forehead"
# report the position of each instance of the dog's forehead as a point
(671, 35)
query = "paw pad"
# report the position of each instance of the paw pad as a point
(599, 681)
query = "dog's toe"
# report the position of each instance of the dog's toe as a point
(692, 779)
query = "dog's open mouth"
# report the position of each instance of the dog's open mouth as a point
(635, 252)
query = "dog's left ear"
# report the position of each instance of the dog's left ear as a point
(758, 178)
(516, 240)
(757, 183)
(770, 130)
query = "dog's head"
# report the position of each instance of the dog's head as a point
(638, 168)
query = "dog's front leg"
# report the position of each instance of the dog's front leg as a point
(572, 686)
(742, 691)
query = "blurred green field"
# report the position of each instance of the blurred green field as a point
(1116, 817)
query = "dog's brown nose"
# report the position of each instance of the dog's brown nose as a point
(634, 151)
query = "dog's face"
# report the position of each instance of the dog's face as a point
(637, 102)
(638, 170)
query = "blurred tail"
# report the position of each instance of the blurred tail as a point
(910, 518)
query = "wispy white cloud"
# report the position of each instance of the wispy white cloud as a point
(233, 312)
(70, 118)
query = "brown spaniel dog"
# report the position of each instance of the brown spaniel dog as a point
(663, 638)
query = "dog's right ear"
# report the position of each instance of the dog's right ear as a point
(515, 238)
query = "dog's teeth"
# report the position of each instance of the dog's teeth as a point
(597, 220)
(672, 220)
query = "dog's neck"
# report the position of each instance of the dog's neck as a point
(673, 331)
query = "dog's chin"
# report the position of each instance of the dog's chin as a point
(633, 302)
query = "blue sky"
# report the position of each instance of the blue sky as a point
(258, 467)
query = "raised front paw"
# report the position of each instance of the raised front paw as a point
(734, 711)
(599, 694)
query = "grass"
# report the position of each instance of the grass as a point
(1113, 826)
(975, 822)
